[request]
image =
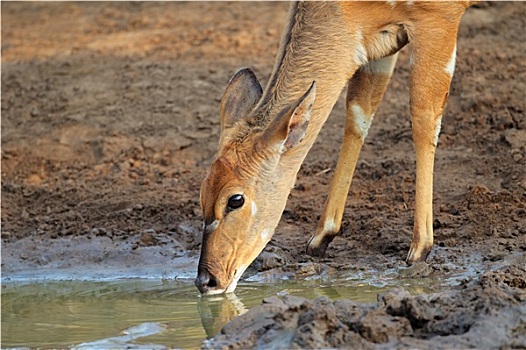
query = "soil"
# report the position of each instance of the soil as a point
(489, 313)
(110, 119)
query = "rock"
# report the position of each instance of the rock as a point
(393, 300)
(377, 327)
(268, 260)
(350, 313)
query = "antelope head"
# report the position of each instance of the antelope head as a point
(248, 183)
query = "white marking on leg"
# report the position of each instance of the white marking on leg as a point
(437, 130)
(360, 55)
(362, 122)
(450, 67)
(254, 208)
(329, 226)
(392, 3)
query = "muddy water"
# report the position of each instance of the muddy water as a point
(148, 313)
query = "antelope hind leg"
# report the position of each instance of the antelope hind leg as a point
(431, 73)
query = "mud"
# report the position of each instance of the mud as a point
(489, 313)
(110, 119)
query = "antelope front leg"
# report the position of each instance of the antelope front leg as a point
(364, 93)
(431, 72)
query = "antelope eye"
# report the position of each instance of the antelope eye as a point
(236, 201)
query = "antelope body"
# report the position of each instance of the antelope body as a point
(265, 135)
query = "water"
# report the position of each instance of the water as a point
(141, 313)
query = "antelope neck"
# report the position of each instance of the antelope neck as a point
(312, 49)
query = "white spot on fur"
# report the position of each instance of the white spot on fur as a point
(329, 226)
(450, 68)
(392, 3)
(280, 146)
(254, 208)
(437, 130)
(360, 55)
(214, 291)
(381, 66)
(265, 234)
(409, 3)
(411, 58)
(362, 122)
(232, 286)
(212, 226)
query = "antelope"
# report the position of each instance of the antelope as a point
(265, 135)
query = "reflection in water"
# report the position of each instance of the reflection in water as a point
(66, 314)
(154, 313)
(216, 311)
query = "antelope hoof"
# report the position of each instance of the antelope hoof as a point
(317, 246)
(417, 254)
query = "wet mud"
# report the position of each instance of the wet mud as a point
(110, 119)
(489, 313)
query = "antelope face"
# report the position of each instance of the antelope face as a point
(245, 191)
(237, 223)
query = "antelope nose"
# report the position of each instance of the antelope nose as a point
(205, 281)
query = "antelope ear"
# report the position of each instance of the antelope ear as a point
(288, 129)
(241, 95)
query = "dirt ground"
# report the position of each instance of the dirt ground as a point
(110, 119)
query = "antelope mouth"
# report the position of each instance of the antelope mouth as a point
(218, 289)
(237, 275)
(215, 291)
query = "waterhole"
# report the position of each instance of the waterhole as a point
(151, 314)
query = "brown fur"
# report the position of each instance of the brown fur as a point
(263, 144)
